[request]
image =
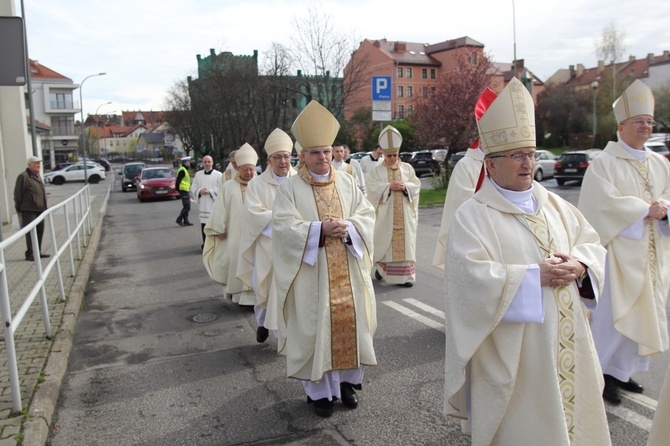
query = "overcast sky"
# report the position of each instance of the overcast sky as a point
(145, 47)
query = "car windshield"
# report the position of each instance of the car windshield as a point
(133, 169)
(573, 157)
(156, 173)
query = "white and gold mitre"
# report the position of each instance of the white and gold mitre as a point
(509, 122)
(636, 100)
(390, 140)
(246, 155)
(315, 126)
(298, 148)
(278, 141)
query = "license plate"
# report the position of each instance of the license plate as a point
(570, 170)
(158, 192)
(421, 162)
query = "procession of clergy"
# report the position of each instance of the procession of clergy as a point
(527, 359)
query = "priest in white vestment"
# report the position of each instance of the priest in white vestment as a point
(465, 180)
(231, 169)
(204, 189)
(255, 263)
(372, 160)
(521, 367)
(625, 195)
(322, 247)
(393, 189)
(224, 227)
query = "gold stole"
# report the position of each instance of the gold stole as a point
(566, 329)
(643, 172)
(398, 233)
(344, 345)
(243, 184)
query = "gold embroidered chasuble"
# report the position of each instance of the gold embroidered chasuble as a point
(511, 377)
(616, 192)
(327, 313)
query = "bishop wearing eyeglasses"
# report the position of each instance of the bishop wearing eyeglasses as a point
(522, 265)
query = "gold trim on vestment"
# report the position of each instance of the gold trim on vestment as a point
(566, 325)
(398, 234)
(343, 338)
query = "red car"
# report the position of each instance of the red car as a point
(156, 182)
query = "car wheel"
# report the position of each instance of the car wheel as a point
(539, 176)
(124, 188)
(94, 179)
(58, 181)
(560, 181)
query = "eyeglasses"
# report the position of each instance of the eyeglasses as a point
(640, 122)
(281, 157)
(520, 157)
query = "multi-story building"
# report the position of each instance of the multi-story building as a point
(54, 110)
(415, 70)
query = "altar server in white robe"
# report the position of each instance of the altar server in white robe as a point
(465, 180)
(224, 227)
(339, 162)
(625, 196)
(393, 189)
(356, 166)
(204, 190)
(255, 263)
(521, 368)
(322, 232)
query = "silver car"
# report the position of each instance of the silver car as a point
(544, 167)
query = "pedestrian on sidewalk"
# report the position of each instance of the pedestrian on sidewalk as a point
(30, 200)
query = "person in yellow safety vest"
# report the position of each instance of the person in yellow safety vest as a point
(183, 185)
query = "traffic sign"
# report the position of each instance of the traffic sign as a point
(381, 88)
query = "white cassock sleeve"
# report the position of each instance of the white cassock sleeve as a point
(528, 303)
(312, 248)
(357, 248)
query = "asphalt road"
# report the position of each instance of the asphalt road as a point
(161, 359)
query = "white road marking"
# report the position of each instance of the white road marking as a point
(640, 399)
(414, 315)
(632, 417)
(427, 308)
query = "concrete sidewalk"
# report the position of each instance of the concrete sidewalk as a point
(42, 362)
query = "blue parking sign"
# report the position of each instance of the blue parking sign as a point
(381, 88)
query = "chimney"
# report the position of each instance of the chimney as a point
(631, 58)
(399, 47)
(580, 69)
(571, 68)
(666, 54)
(650, 58)
(376, 43)
(601, 66)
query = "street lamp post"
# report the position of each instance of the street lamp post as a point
(98, 123)
(514, 34)
(594, 87)
(83, 136)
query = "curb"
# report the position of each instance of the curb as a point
(36, 428)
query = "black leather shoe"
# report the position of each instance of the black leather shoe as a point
(631, 386)
(377, 275)
(179, 222)
(45, 256)
(261, 334)
(348, 395)
(30, 258)
(611, 391)
(322, 407)
(187, 223)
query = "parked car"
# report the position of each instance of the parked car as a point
(405, 157)
(456, 157)
(130, 172)
(658, 147)
(440, 154)
(156, 182)
(573, 164)
(544, 167)
(104, 163)
(76, 172)
(359, 155)
(424, 162)
(61, 166)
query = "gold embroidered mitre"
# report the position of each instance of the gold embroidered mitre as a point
(636, 100)
(246, 155)
(278, 141)
(390, 140)
(509, 122)
(298, 148)
(315, 126)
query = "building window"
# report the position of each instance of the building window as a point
(409, 92)
(408, 73)
(400, 91)
(432, 73)
(424, 73)
(410, 109)
(432, 90)
(62, 125)
(399, 71)
(473, 58)
(61, 101)
(424, 93)
(401, 111)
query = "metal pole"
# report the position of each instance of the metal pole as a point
(33, 136)
(514, 33)
(83, 136)
(594, 86)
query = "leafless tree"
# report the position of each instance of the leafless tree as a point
(612, 46)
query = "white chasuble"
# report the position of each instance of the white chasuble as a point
(327, 310)
(616, 192)
(509, 379)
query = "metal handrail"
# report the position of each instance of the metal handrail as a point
(79, 205)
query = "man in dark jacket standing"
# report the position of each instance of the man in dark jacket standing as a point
(30, 200)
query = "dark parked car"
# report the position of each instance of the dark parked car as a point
(61, 166)
(130, 172)
(456, 157)
(424, 162)
(104, 163)
(405, 157)
(156, 182)
(572, 165)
